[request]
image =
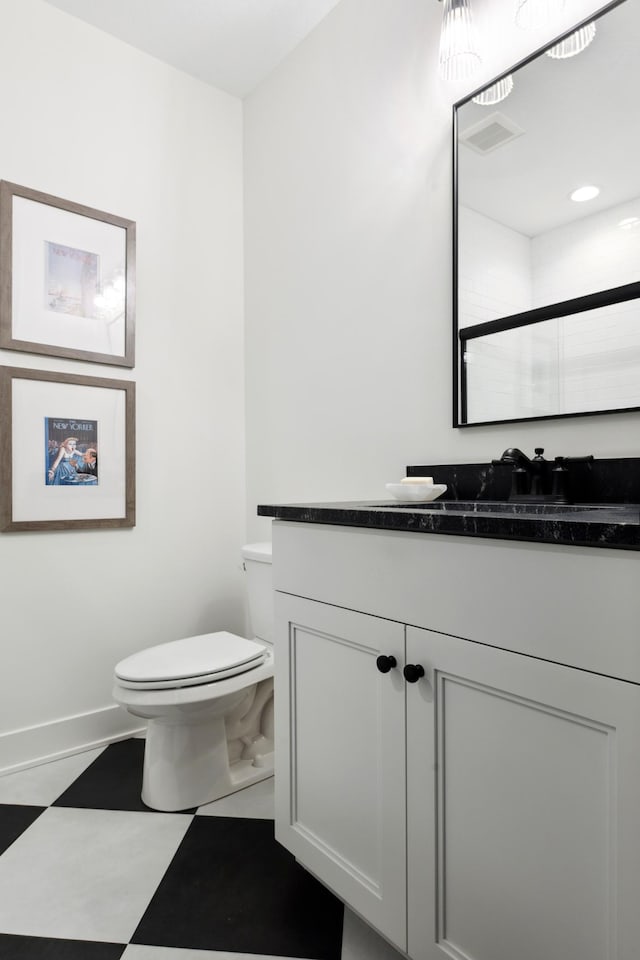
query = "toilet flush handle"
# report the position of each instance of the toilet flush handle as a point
(384, 664)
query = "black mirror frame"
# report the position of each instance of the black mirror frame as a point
(602, 298)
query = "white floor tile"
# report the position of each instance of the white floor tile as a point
(134, 952)
(361, 942)
(43, 784)
(255, 801)
(86, 874)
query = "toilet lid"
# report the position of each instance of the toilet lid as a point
(190, 661)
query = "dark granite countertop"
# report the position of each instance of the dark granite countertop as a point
(604, 508)
(615, 525)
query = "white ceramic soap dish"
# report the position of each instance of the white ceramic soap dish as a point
(416, 491)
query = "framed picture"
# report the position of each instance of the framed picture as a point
(67, 451)
(67, 278)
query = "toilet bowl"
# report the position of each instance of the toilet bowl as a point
(208, 701)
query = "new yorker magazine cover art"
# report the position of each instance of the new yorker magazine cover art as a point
(71, 452)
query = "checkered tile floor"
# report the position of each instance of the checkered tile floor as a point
(87, 872)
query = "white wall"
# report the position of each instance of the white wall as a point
(494, 269)
(600, 349)
(494, 280)
(590, 254)
(90, 119)
(585, 362)
(348, 261)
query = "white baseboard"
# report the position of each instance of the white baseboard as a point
(20, 749)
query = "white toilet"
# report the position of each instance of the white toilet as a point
(209, 703)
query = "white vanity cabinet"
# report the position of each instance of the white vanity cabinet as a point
(490, 810)
(535, 771)
(342, 793)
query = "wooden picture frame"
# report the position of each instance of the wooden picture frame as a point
(67, 451)
(67, 278)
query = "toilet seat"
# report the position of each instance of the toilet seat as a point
(189, 662)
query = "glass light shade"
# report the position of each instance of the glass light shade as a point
(458, 56)
(536, 13)
(495, 93)
(574, 43)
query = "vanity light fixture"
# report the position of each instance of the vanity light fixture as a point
(496, 92)
(573, 44)
(536, 13)
(458, 56)
(584, 193)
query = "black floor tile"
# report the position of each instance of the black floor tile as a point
(14, 820)
(231, 887)
(112, 782)
(45, 948)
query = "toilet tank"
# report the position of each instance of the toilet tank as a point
(257, 564)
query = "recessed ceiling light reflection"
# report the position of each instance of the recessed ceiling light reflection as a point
(584, 193)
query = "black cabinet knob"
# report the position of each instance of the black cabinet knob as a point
(413, 672)
(384, 664)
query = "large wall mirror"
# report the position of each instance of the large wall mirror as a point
(546, 288)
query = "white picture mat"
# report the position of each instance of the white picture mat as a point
(33, 499)
(35, 223)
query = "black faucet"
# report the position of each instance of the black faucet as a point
(533, 480)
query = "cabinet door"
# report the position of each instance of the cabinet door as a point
(523, 807)
(340, 755)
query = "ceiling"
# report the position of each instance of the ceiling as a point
(577, 118)
(230, 44)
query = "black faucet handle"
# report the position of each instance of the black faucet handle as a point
(538, 453)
